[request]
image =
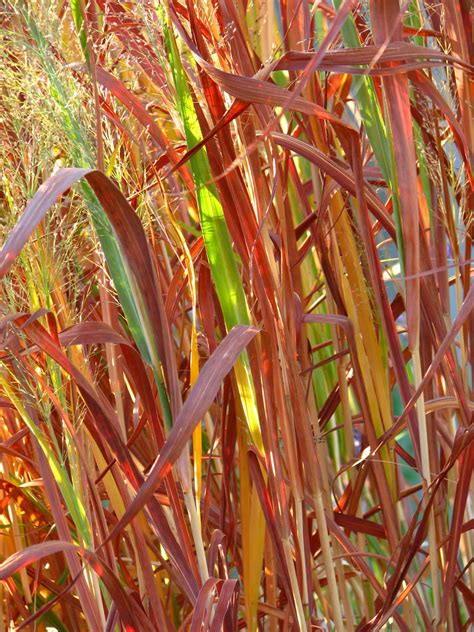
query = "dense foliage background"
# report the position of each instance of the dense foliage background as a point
(236, 329)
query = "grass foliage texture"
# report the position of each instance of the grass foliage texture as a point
(236, 315)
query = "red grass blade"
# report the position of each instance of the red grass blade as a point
(133, 617)
(198, 401)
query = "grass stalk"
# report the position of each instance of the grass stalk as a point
(333, 591)
(427, 478)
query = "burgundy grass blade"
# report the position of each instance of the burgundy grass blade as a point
(132, 616)
(197, 403)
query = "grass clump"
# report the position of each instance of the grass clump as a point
(236, 316)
